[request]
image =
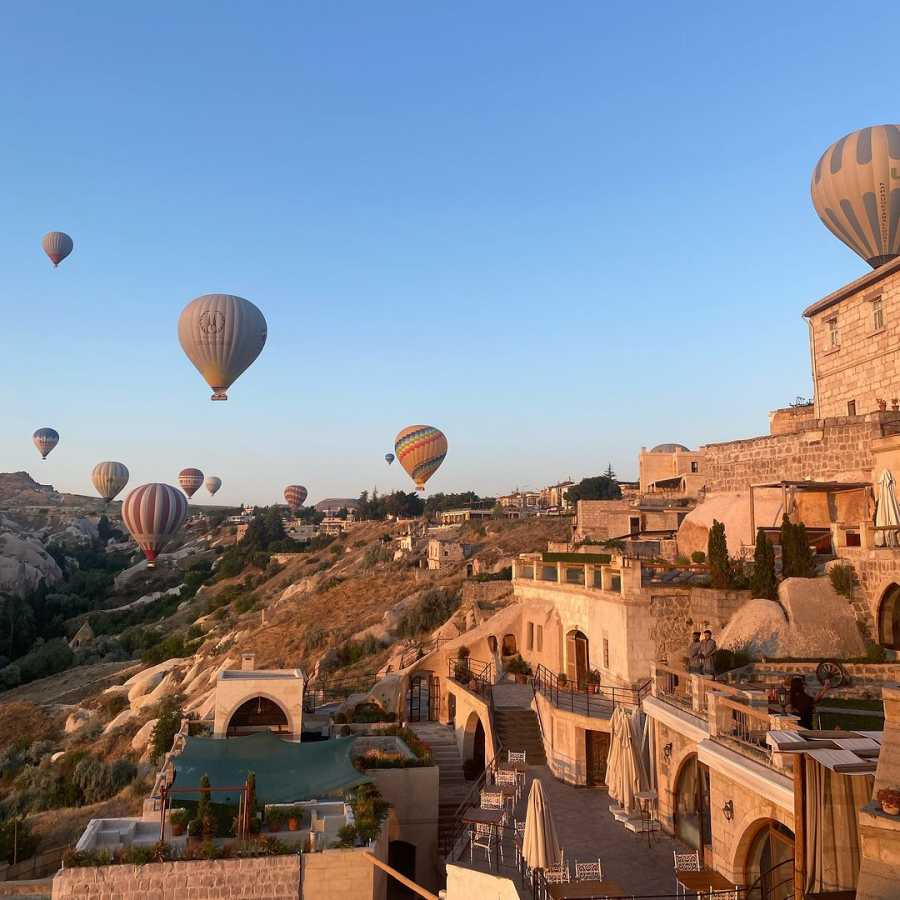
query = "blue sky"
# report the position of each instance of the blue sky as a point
(558, 232)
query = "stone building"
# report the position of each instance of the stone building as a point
(671, 469)
(446, 551)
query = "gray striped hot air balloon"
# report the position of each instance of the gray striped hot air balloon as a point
(213, 483)
(153, 513)
(45, 439)
(57, 245)
(109, 478)
(856, 192)
(222, 335)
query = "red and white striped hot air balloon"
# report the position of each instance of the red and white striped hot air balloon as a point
(191, 480)
(295, 494)
(154, 513)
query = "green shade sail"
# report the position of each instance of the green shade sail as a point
(286, 772)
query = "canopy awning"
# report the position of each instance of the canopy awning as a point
(286, 772)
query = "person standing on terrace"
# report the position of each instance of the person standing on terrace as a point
(708, 648)
(695, 663)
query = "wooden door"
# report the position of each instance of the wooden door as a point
(596, 754)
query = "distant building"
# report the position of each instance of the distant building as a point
(671, 469)
(335, 504)
(521, 499)
(446, 552)
(458, 516)
(556, 496)
(83, 636)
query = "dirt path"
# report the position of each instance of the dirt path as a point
(71, 686)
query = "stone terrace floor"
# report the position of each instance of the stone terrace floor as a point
(587, 831)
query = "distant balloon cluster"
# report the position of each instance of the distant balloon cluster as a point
(222, 335)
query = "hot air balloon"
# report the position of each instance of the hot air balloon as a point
(421, 450)
(45, 439)
(389, 457)
(222, 335)
(57, 245)
(213, 483)
(295, 494)
(190, 481)
(856, 192)
(153, 513)
(109, 478)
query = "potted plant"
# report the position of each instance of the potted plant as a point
(178, 819)
(518, 667)
(463, 652)
(562, 679)
(889, 798)
(274, 818)
(195, 832)
(592, 681)
(895, 405)
(294, 817)
(882, 404)
(210, 826)
(461, 672)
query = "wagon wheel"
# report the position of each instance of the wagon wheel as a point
(831, 673)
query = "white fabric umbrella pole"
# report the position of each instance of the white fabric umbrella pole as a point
(540, 845)
(887, 512)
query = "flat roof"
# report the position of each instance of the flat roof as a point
(261, 673)
(868, 279)
(817, 485)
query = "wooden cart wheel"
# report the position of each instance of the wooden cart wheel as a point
(831, 673)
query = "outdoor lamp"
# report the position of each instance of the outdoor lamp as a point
(667, 750)
(782, 695)
(728, 810)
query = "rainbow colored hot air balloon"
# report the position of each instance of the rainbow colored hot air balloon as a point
(109, 478)
(190, 480)
(213, 483)
(389, 457)
(45, 439)
(153, 513)
(222, 335)
(856, 192)
(57, 245)
(295, 494)
(421, 450)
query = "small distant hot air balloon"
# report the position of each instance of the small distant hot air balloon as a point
(222, 335)
(153, 513)
(109, 478)
(190, 480)
(856, 192)
(295, 494)
(45, 439)
(213, 483)
(421, 450)
(389, 457)
(57, 245)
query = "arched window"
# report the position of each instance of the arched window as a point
(769, 868)
(692, 820)
(889, 618)
(510, 648)
(577, 658)
(257, 714)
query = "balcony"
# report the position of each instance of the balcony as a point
(592, 700)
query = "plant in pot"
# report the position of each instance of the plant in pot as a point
(274, 818)
(889, 798)
(518, 667)
(463, 652)
(592, 681)
(195, 832)
(461, 672)
(210, 826)
(178, 819)
(294, 817)
(562, 679)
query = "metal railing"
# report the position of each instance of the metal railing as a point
(421, 650)
(597, 700)
(674, 686)
(336, 690)
(744, 726)
(474, 675)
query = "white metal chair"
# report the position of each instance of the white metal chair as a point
(492, 800)
(515, 756)
(558, 874)
(508, 778)
(685, 862)
(485, 838)
(591, 871)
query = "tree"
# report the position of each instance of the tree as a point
(717, 556)
(763, 584)
(498, 512)
(798, 559)
(104, 529)
(600, 487)
(168, 724)
(609, 473)
(806, 556)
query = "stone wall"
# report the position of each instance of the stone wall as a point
(262, 878)
(876, 571)
(784, 421)
(593, 518)
(475, 592)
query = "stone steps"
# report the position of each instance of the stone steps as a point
(518, 730)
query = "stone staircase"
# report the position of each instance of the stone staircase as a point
(453, 787)
(518, 729)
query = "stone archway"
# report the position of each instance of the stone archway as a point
(889, 617)
(258, 713)
(764, 859)
(474, 743)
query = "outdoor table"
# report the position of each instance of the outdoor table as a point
(508, 791)
(584, 890)
(704, 881)
(519, 768)
(475, 815)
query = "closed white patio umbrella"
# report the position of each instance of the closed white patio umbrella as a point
(626, 773)
(887, 512)
(540, 845)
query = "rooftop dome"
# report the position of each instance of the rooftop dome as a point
(670, 448)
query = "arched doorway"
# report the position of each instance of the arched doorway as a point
(510, 647)
(577, 658)
(473, 745)
(257, 714)
(693, 825)
(769, 867)
(889, 618)
(402, 857)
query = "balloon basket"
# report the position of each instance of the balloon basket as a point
(219, 395)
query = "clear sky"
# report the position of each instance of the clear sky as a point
(557, 231)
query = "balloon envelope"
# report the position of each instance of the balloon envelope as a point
(856, 192)
(421, 450)
(45, 439)
(153, 513)
(57, 245)
(389, 457)
(109, 478)
(295, 494)
(213, 483)
(190, 481)
(222, 335)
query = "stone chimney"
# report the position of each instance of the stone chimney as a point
(248, 662)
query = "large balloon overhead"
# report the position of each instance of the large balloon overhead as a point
(295, 494)
(191, 480)
(109, 478)
(222, 335)
(45, 439)
(421, 450)
(856, 192)
(153, 513)
(57, 245)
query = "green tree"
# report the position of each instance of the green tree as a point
(203, 804)
(498, 512)
(609, 473)
(763, 584)
(600, 487)
(806, 556)
(798, 559)
(169, 716)
(717, 556)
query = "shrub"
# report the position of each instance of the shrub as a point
(15, 839)
(698, 557)
(353, 651)
(682, 560)
(843, 579)
(377, 553)
(431, 610)
(330, 583)
(763, 584)
(169, 716)
(875, 653)
(717, 552)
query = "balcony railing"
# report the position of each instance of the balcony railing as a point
(336, 690)
(674, 686)
(474, 675)
(744, 726)
(597, 700)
